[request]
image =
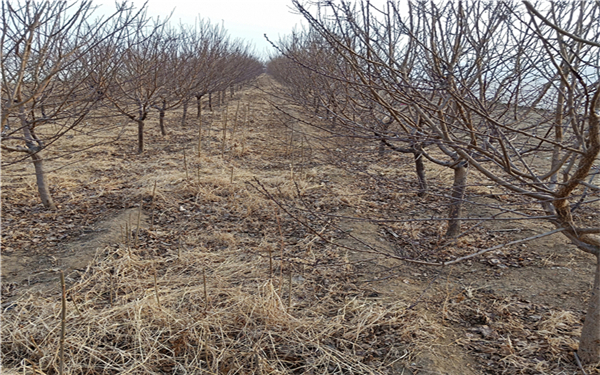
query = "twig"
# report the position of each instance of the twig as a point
(75, 304)
(531, 9)
(244, 133)
(199, 186)
(579, 363)
(503, 245)
(224, 134)
(137, 232)
(63, 319)
(290, 290)
(235, 123)
(152, 207)
(372, 250)
(205, 289)
(156, 289)
(110, 287)
(282, 246)
(187, 176)
(179, 249)
(200, 131)
(270, 263)
(127, 238)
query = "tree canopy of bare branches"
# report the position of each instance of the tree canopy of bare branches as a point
(508, 92)
(47, 73)
(61, 65)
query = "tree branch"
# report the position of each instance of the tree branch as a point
(531, 9)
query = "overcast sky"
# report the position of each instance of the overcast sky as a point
(246, 19)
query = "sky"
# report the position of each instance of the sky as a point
(244, 19)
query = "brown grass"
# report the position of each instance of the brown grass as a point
(244, 327)
(143, 309)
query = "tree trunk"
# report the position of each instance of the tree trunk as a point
(161, 121)
(140, 136)
(384, 128)
(198, 106)
(589, 345)
(34, 146)
(458, 193)
(210, 101)
(185, 110)
(42, 181)
(420, 173)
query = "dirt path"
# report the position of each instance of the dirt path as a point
(40, 272)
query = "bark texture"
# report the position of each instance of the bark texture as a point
(589, 345)
(184, 115)
(420, 167)
(458, 193)
(42, 181)
(140, 124)
(161, 122)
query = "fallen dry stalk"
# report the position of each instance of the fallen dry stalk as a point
(156, 289)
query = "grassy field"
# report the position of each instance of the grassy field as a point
(259, 255)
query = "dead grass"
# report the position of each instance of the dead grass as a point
(148, 309)
(245, 326)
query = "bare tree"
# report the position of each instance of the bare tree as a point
(203, 42)
(212, 47)
(46, 88)
(208, 62)
(511, 95)
(142, 79)
(177, 73)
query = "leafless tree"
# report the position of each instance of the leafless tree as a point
(205, 42)
(503, 89)
(217, 63)
(47, 75)
(177, 73)
(142, 79)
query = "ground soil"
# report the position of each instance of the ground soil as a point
(515, 310)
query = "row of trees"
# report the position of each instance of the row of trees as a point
(61, 65)
(501, 89)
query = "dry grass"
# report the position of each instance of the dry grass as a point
(245, 326)
(207, 288)
(143, 309)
